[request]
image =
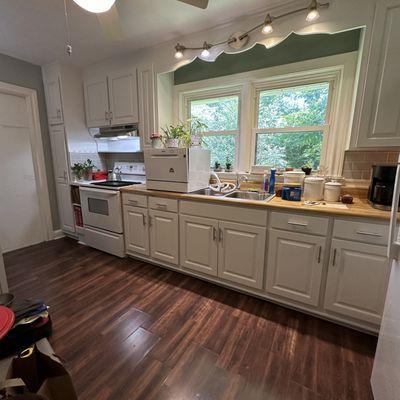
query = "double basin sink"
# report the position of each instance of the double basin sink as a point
(237, 194)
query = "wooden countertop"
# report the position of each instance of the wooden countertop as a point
(360, 207)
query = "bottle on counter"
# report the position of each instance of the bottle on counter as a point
(265, 182)
(272, 179)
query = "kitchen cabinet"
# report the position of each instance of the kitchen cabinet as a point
(199, 244)
(164, 236)
(61, 172)
(52, 87)
(112, 99)
(147, 101)
(295, 264)
(357, 280)
(378, 108)
(241, 253)
(136, 230)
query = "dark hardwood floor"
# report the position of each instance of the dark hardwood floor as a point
(130, 330)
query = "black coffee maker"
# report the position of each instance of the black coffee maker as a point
(380, 192)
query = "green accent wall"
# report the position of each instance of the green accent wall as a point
(295, 48)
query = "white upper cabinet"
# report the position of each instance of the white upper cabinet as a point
(199, 244)
(96, 102)
(357, 280)
(378, 123)
(295, 264)
(123, 97)
(52, 88)
(147, 108)
(241, 253)
(112, 99)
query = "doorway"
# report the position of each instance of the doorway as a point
(24, 201)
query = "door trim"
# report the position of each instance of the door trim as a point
(39, 164)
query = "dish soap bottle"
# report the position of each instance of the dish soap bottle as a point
(265, 182)
(272, 181)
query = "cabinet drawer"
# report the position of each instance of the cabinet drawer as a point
(299, 223)
(163, 204)
(367, 232)
(136, 200)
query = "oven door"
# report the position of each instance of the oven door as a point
(101, 209)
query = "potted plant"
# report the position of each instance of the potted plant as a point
(83, 171)
(196, 129)
(174, 134)
(217, 166)
(156, 141)
(77, 171)
(228, 165)
(307, 169)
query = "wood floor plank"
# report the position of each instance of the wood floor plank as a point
(131, 330)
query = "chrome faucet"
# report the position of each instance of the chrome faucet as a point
(240, 179)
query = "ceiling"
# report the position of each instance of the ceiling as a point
(34, 30)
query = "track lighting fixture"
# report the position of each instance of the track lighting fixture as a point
(239, 39)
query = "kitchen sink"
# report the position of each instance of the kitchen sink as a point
(208, 192)
(239, 194)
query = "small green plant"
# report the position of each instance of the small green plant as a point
(196, 126)
(228, 165)
(82, 170)
(179, 131)
(217, 166)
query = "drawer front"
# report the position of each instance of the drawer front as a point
(299, 223)
(366, 232)
(163, 204)
(135, 200)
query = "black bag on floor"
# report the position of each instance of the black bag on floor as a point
(23, 336)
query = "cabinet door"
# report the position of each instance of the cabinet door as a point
(136, 230)
(59, 154)
(53, 100)
(379, 122)
(198, 244)
(241, 253)
(96, 102)
(123, 96)
(164, 236)
(357, 280)
(295, 263)
(65, 210)
(147, 109)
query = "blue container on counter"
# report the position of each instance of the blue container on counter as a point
(291, 193)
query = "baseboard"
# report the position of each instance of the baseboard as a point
(57, 234)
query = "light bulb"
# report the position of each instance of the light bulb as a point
(95, 6)
(267, 28)
(179, 49)
(205, 53)
(312, 15)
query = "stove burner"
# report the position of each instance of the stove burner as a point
(115, 184)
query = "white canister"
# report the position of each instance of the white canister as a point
(293, 177)
(332, 191)
(313, 189)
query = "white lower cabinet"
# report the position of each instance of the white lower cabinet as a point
(241, 253)
(357, 280)
(136, 230)
(66, 212)
(164, 236)
(295, 264)
(198, 244)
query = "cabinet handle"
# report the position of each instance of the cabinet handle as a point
(144, 220)
(106, 117)
(334, 257)
(133, 201)
(150, 222)
(220, 234)
(319, 254)
(369, 233)
(297, 223)
(214, 233)
(110, 115)
(65, 175)
(58, 113)
(161, 206)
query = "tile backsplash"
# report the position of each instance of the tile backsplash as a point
(357, 164)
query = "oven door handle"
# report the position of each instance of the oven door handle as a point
(92, 191)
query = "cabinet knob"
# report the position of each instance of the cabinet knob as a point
(334, 258)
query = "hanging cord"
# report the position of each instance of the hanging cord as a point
(69, 46)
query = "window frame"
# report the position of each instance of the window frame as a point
(188, 97)
(284, 82)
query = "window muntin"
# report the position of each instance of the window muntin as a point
(291, 125)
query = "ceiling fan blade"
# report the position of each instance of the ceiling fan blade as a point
(111, 24)
(197, 3)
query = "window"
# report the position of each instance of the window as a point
(221, 115)
(291, 125)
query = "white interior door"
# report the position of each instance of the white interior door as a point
(21, 223)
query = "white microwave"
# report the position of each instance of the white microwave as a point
(177, 170)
